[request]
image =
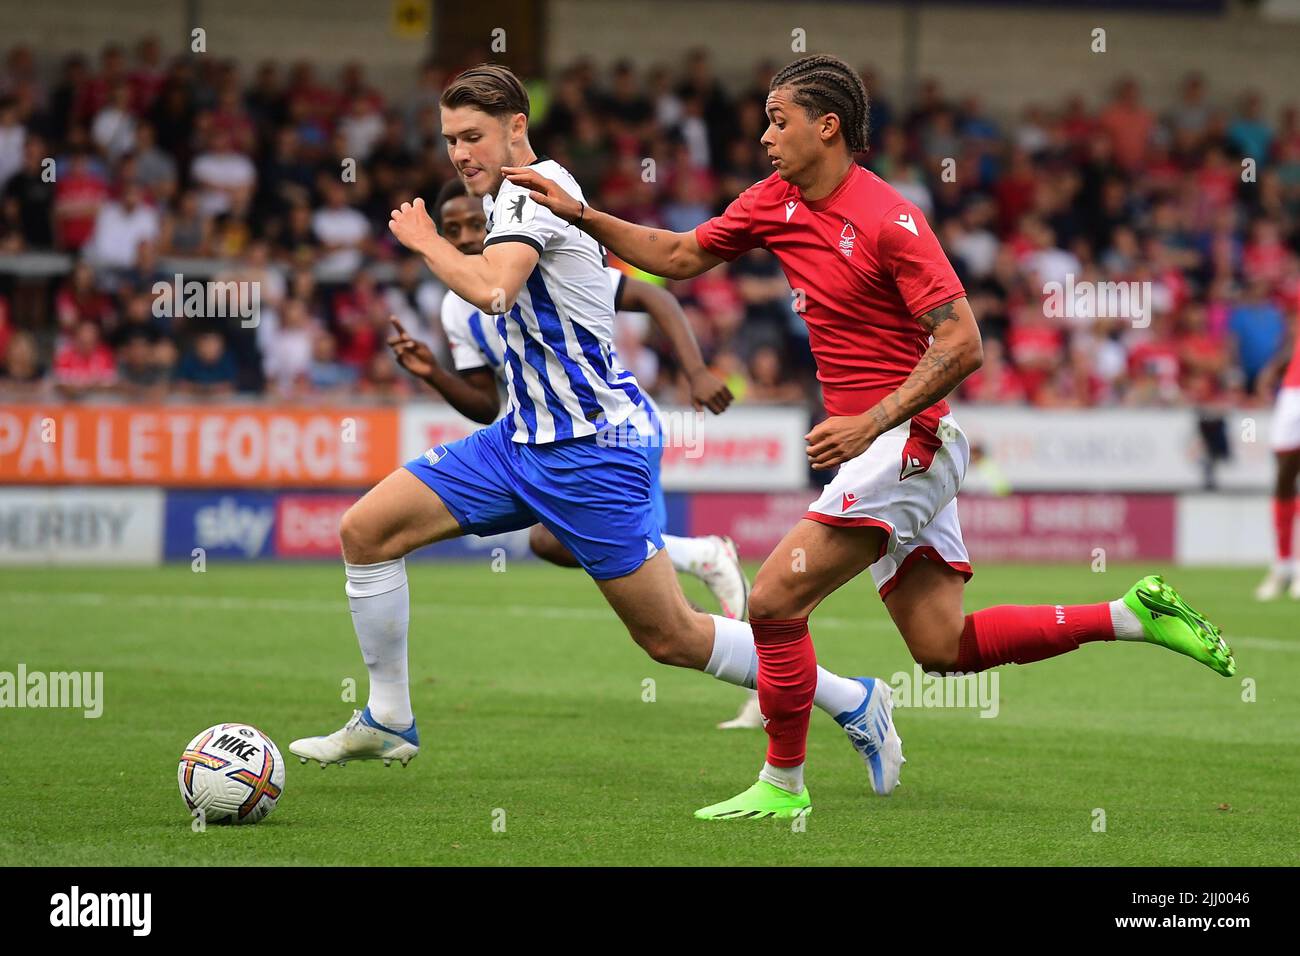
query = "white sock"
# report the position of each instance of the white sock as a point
(836, 694)
(787, 778)
(735, 661)
(380, 601)
(1125, 622)
(688, 554)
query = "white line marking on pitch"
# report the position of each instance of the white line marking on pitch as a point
(306, 606)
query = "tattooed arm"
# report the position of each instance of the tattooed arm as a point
(953, 354)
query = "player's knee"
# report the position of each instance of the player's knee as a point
(537, 543)
(663, 645)
(936, 650)
(770, 603)
(546, 546)
(357, 536)
(934, 660)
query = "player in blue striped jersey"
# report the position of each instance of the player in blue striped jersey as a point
(476, 348)
(474, 391)
(557, 457)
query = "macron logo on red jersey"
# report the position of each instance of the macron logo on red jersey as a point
(908, 223)
(790, 207)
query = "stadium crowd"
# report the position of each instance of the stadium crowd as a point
(285, 178)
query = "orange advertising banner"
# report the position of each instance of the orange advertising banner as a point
(228, 446)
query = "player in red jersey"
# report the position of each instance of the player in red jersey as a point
(1285, 439)
(893, 335)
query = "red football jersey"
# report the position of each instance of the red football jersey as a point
(868, 265)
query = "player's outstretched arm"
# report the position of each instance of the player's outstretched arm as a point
(674, 255)
(490, 281)
(473, 393)
(707, 390)
(955, 351)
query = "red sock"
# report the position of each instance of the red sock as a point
(787, 680)
(1284, 526)
(1006, 634)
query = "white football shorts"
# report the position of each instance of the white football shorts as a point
(1285, 432)
(906, 484)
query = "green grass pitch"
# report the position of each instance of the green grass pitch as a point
(529, 697)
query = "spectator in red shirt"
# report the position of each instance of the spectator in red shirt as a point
(1205, 359)
(81, 190)
(1077, 127)
(1035, 344)
(353, 308)
(1265, 256)
(353, 86)
(94, 94)
(84, 364)
(1154, 365)
(1015, 192)
(231, 119)
(1128, 124)
(1077, 385)
(146, 79)
(80, 301)
(1216, 183)
(996, 382)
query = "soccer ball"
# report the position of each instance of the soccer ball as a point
(231, 773)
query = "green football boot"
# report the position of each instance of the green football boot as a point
(760, 802)
(1171, 622)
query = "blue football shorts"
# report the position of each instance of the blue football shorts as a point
(598, 497)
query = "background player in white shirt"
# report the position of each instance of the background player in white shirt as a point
(474, 391)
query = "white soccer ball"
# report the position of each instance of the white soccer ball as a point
(231, 773)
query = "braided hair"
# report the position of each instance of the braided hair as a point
(826, 84)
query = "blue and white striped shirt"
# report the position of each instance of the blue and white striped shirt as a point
(475, 343)
(562, 374)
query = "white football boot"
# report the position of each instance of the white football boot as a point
(871, 731)
(725, 578)
(1276, 583)
(362, 738)
(748, 718)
